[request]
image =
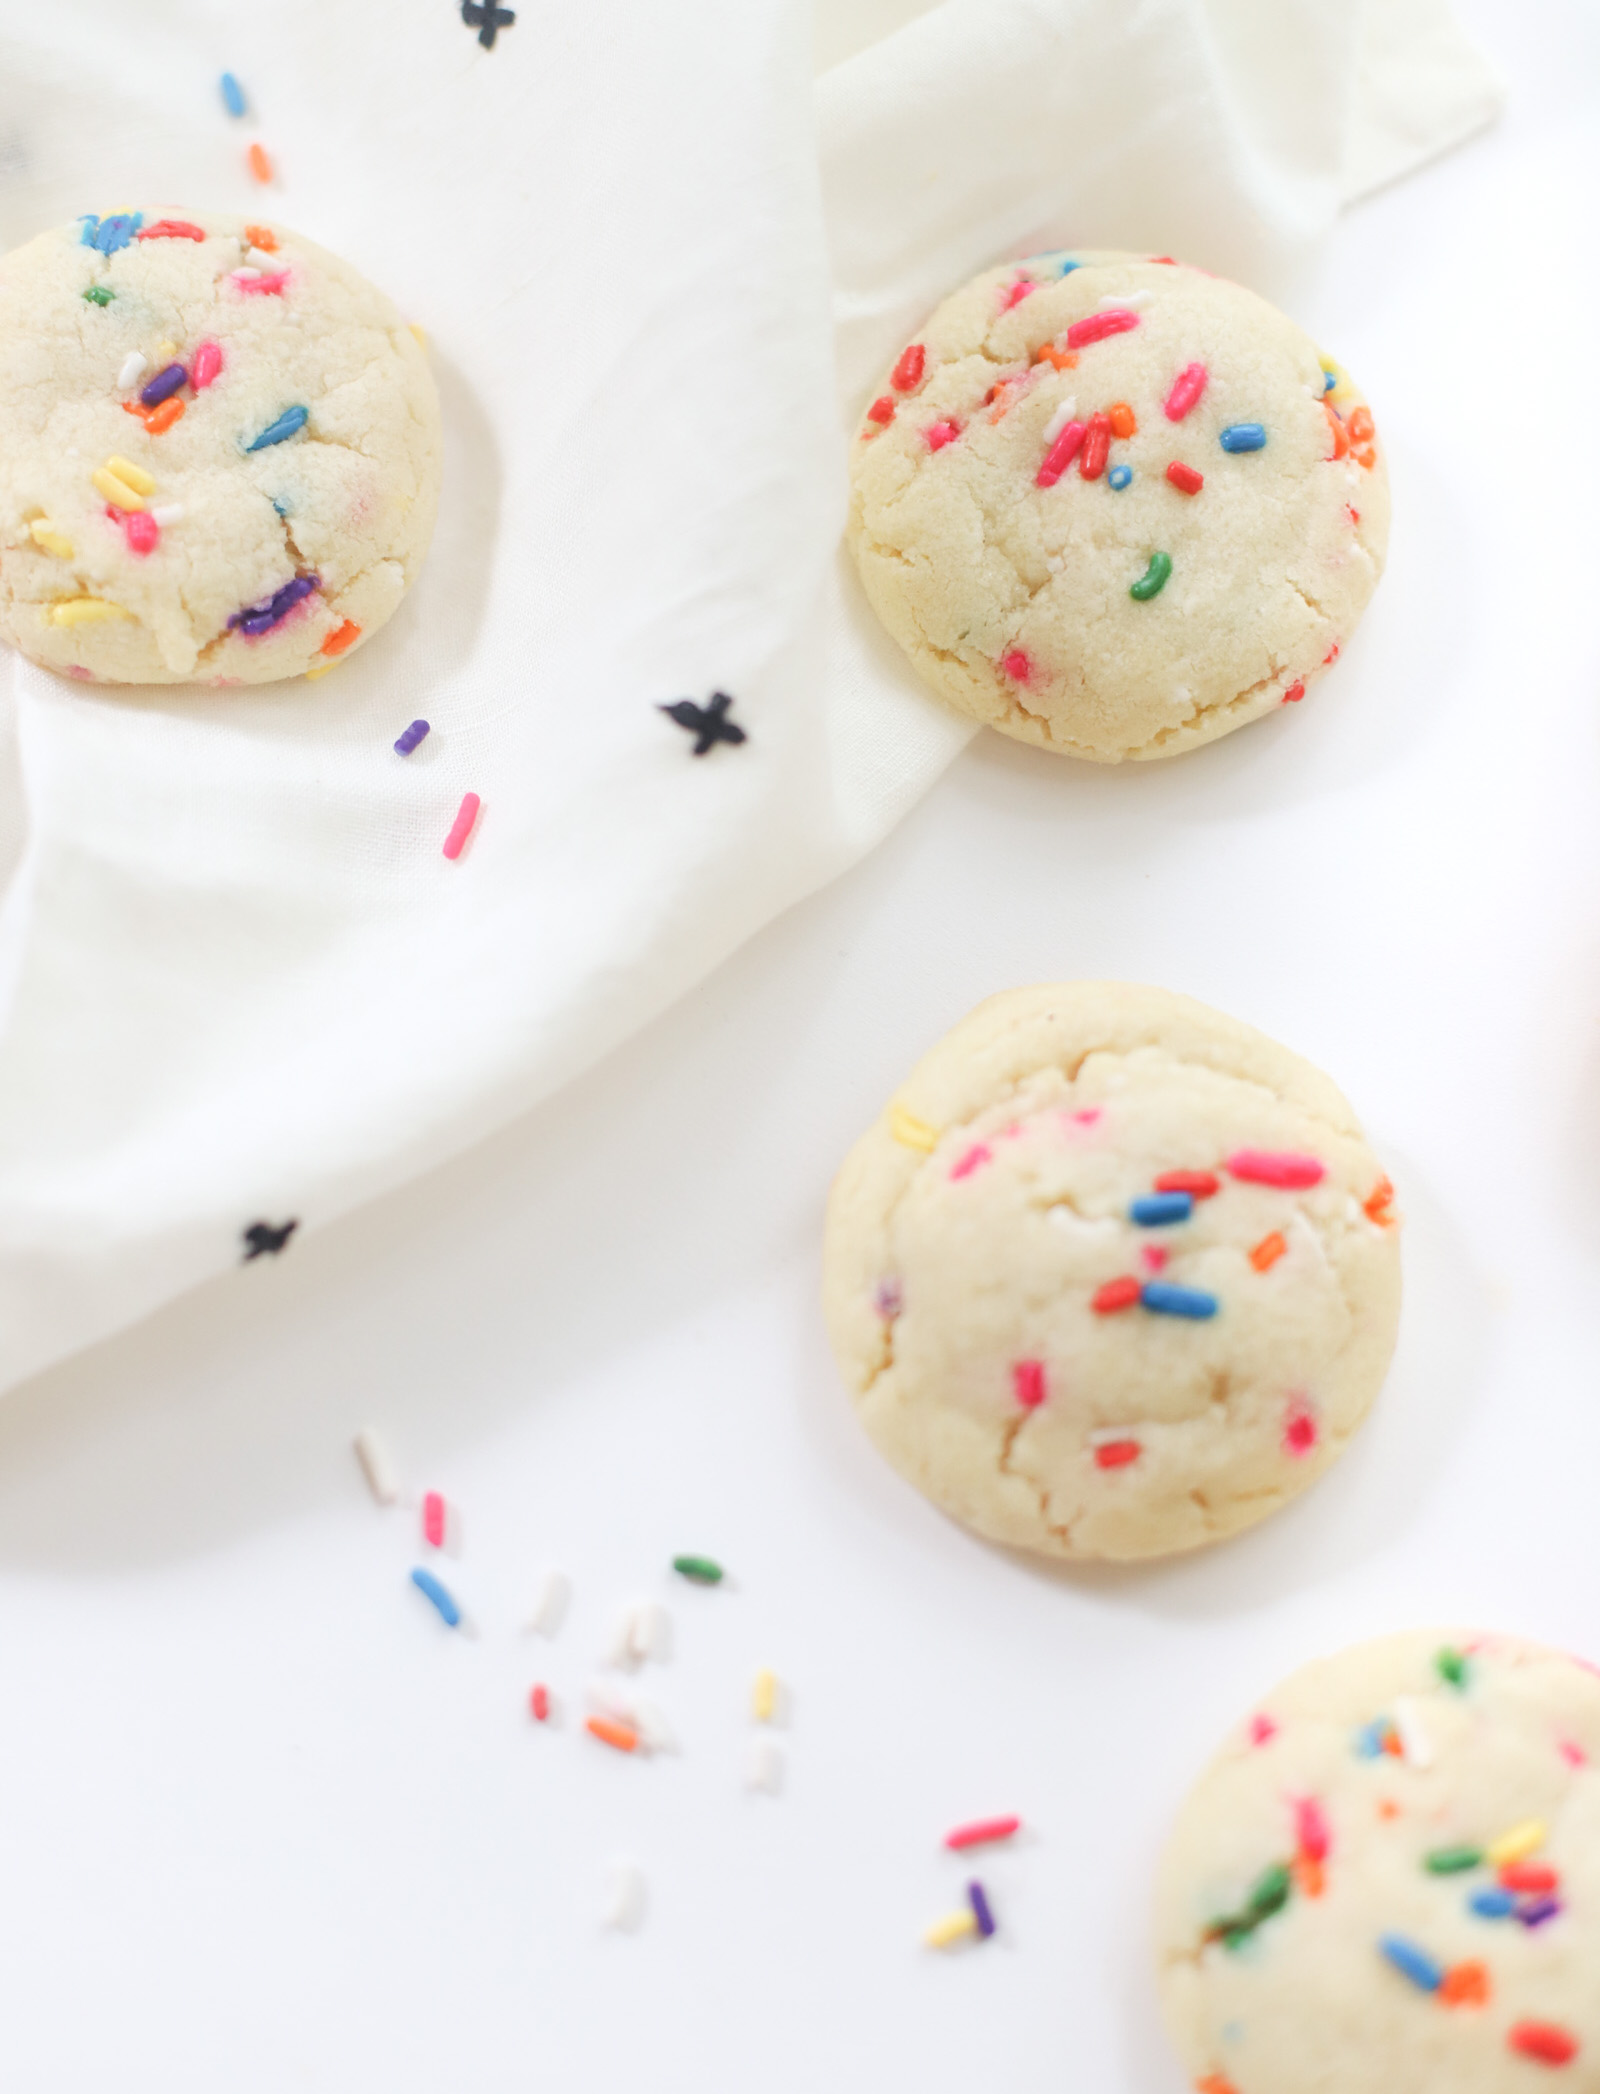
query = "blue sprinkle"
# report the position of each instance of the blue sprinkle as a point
(1167, 1300)
(1369, 1742)
(412, 736)
(1244, 436)
(232, 95)
(1492, 1904)
(281, 507)
(1329, 380)
(428, 1584)
(1068, 267)
(289, 423)
(107, 235)
(1156, 1209)
(1412, 1962)
(1119, 476)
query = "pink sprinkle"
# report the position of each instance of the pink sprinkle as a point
(1312, 1828)
(1332, 655)
(1573, 1754)
(1015, 293)
(1295, 692)
(461, 827)
(261, 286)
(77, 669)
(1017, 666)
(1061, 454)
(974, 1159)
(1087, 1119)
(889, 1300)
(1098, 325)
(1153, 1255)
(433, 1519)
(144, 533)
(204, 365)
(1027, 1378)
(1187, 387)
(1275, 1167)
(942, 433)
(1300, 1433)
(1262, 1730)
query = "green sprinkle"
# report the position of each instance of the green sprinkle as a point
(1271, 1894)
(97, 294)
(1452, 1666)
(1453, 1861)
(702, 1569)
(1154, 579)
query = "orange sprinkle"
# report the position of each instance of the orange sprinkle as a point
(260, 165)
(1341, 435)
(1310, 1875)
(1214, 2083)
(1063, 359)
(1364, 455)
(262, 236)
(1360, 425)
(133, 407)
(341, 637)
(1004, 397)
(609, 1733)
(164, 416)
(1465, 1985)
(1268, 1251)
(1123, 420)
(1388, 1809)
(1378, 1202)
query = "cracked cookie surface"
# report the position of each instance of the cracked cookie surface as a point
(1114, 612)
(1113, 1275)
(1389, 1877)
(220, 451)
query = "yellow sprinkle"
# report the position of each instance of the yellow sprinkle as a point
(764, 1695)
(321, 669)
(166, 353)
(85, 610)
(137, 478)
(1516, 1845)
(45, 534)
(119, 496)
(945, 1933)
(421, 333)
(911, 1132)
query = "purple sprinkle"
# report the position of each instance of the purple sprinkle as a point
(1538, 1911)
(164, 385)
(412, 736)
(889, 1300)
(260, 618)
(980, 1909)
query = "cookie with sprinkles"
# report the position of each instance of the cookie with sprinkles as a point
(1390, 1878)
(1115, 506)
(220, 451)
(1113, 1275)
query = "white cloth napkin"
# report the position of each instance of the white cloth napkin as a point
(238, 979)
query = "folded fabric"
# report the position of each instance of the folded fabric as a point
(240, 982)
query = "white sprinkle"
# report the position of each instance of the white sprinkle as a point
(649, 1632)
(549, 1609)
(623, 1910)
(763, 1768)
(245, 270)
(1059, 420)
(1415, 1743)
(133, 365)
(607, 1700)
(1129, 298)
(620, 1651)
(376, 1465)
(655, 1732)
(1094, 1228)
(165, 513)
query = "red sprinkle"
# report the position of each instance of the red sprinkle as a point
(1545, 2041)
(1275, 1167)
(1098, 325)
(1185, 478)
(1117, 1454)
(881, 411)
(1529, 1876)
(1332, 655)
(204, 365)
(171, 229)
(1300, 1431)
(267, 286)
(1060, 454)
(942, 433)
(976, 1157)
(1311, 1826)
(1027, 1378)
(1295, 692)
(1096, 447)
(1016, 665)
(1114, 1295)
(981, 1831)
(539, 1702)
(1187, 387)
(907, 373)
(1201, 1185)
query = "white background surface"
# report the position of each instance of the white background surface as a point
(265, 1824)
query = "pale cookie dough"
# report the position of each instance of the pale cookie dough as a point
(1017, 530)
(1113, 1275)
(219, 451)
(1389, 1880)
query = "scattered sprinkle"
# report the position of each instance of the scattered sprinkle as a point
(550, 1603)
(1016, 665)
(1262, 1730)
(260, 283)
(1300, 1429)
(881, 411)
(412, 737)
(109, 235)
(433, 1519)
(1545, 2041)
(85, 610)
(1152, 1256)
(1536, 1913)
(938, 434)
(1517, 1844)
(764, 1766)
(1200, 1185)
(1116, 1454)
(1099, 325)
(1114, 1295)
(764, 1695)
(1014, 293)
(256, 619)
(1061, 454)
(953, 1928)
(981, 1832)
(428, 1585)
(982, 1915)
(1412, 1962)
(264, 238)
(1268, 1897)
(44, 534)
(383, 1479)
(1416, 1747)
(1155, 1210)
(1268, 1251)
(289, 423)
(910, 1132)
(1027, 1379)
(974, 1159)
(259, 164)
(1184, 477)
(232, 95)
(1295, 692)
(1243, 436)
(264, 1237)
(709, 724)
(1275, 1167)
(98, 294)
(1451, 1666)
(1465, 1985)
(164, 385)
(700, 1570)
(173, 229)
(1532, 1877)
(1492, 1904)
(623, 1910)
(487, 19)
(1378, 1202)
(1096, 447)
(132, 365)
(907, 373)
(1187, 387)
(621, 1737)
(204, 366)
(461, 827)
(1059, 420)
(142, 531)
(1120, 476)
(1124, 422)
(343, 636)
(539, 1703)
(1165, 1299)
(889, 1299)
(1154, 579)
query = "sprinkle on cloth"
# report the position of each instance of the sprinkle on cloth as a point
(259, 163)
(982, 1832)
(377, 1465)
(763, 1767)
(487, 19)
(550, 1604)
(952, 1930)
(232, 95)
(435, 1518)
(709, 724)
(764, 1695)
(431, 1589)
(624, 1908)
(412, 738)
(699, 1570)
(539, 1702)
(621, 1737)
(982, 1912)
(262, 1239)
(461, 828)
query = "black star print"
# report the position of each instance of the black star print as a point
(488, 20)
(707, 723)
(262, 1237)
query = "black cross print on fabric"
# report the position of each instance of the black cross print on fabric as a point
(707, 723)
(262, 1237)
(488, 20)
